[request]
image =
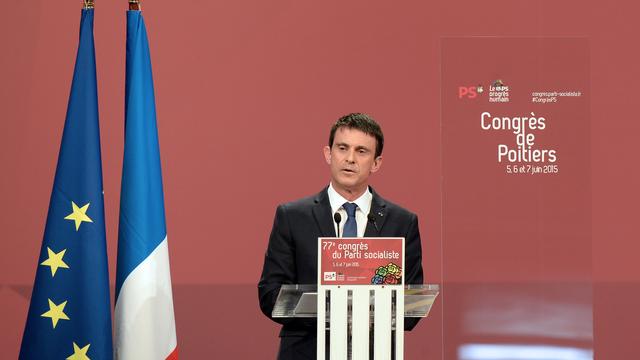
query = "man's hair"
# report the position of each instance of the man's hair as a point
(362, 122)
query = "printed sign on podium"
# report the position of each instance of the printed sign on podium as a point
(361, 261)
(359, 280)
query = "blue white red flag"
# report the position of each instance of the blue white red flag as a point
(144, 317)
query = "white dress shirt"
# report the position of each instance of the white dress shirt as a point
(364, 205)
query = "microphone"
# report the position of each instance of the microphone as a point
(337, 218)
(372, 218)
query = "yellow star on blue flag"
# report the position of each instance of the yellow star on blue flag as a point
(78, 215)
(56, 312)
(54, 261)
(79, 353)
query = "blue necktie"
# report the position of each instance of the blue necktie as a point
(350, 228)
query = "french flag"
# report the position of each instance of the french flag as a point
(144, 318)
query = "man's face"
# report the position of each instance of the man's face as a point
(351, 160)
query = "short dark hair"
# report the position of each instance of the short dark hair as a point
(362, 122)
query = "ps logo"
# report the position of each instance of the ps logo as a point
(329, 276)
(470, 92)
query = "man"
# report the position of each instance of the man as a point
(353, 154)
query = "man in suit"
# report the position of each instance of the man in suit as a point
(353, 154)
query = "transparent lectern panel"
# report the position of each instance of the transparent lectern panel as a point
(516, 215)
(299, 301)
(296, 301)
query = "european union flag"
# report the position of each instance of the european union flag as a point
(70, 312)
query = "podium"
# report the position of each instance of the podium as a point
(359, 322)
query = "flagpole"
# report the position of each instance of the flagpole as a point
(135, 5)
(87, 4)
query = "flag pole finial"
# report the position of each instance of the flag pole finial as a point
(87, 4)
(134, 5)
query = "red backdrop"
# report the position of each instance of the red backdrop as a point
(246, 92)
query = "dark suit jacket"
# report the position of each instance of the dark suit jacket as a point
(292, 258)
